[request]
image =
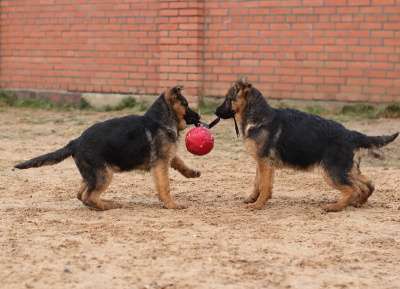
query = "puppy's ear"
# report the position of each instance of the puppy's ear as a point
(245, 90)
(177, 89)
(242, 81)
(172, 93)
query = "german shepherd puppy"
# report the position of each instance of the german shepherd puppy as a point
(285, 137)
(147, 142)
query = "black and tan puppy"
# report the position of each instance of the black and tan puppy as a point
(286, 137)
(147, 142)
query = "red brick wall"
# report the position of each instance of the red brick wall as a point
(181, 44)
(305, 49)
(102, 46)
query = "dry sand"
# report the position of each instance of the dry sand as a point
(49, 239)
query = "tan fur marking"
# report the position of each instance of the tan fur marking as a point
(81, 191)
(178, 164)
(349, 193)
(114, 169)
(169, 94)
(366, 181)
(365, 186)
(161, 180)
(266, 176)
(239, 105)
(180, 112)
(251, 147)
(170, 97)
(168, 151)
(93, 200)
(256, 190)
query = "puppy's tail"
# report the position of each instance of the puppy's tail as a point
(371, 142)
(48, 159)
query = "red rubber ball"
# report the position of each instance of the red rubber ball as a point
(199, 141)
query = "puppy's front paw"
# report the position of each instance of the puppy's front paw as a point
(175, 206)
(250, 200)
(255, 206)
(193, 174)
(334, 207)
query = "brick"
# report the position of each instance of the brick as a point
(249, 62)
(359, 2)
(357, 81)
(371, 41)
(313, 2)
(347, 26)
(329, 88)
(218, 12)
(376, 73)
(382, 2)
(381, 82)
(382, 34)
(348, 10)
(186, 26)
(283, 86)
(304, 10)
(392, 10)
(278, 11)
(313, 79)
(290, 79)
(374, 90)
(391, 26)
(371, 10)
(278, 3)
(334, 80)
(168, 12)
(325, 10)
(189, 12)
(335, 2)
(370, 25)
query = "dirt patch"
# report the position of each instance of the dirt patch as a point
(48, 239)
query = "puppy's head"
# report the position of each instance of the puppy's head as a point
(235, 99)
(180, 107)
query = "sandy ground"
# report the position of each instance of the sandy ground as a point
(48, 239)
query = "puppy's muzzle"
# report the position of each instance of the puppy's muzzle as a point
(225, 111)
(191, 117)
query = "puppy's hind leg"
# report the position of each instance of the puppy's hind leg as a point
(366, 186)
(348, 195)
(369, 184)
(96, 178)
(82, 190)
(342, 182)
(92, 197)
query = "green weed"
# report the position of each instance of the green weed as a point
(316, 109)
(360, 110)
(128, 103)
(8, 98)
(208, 107)
(391, 111)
